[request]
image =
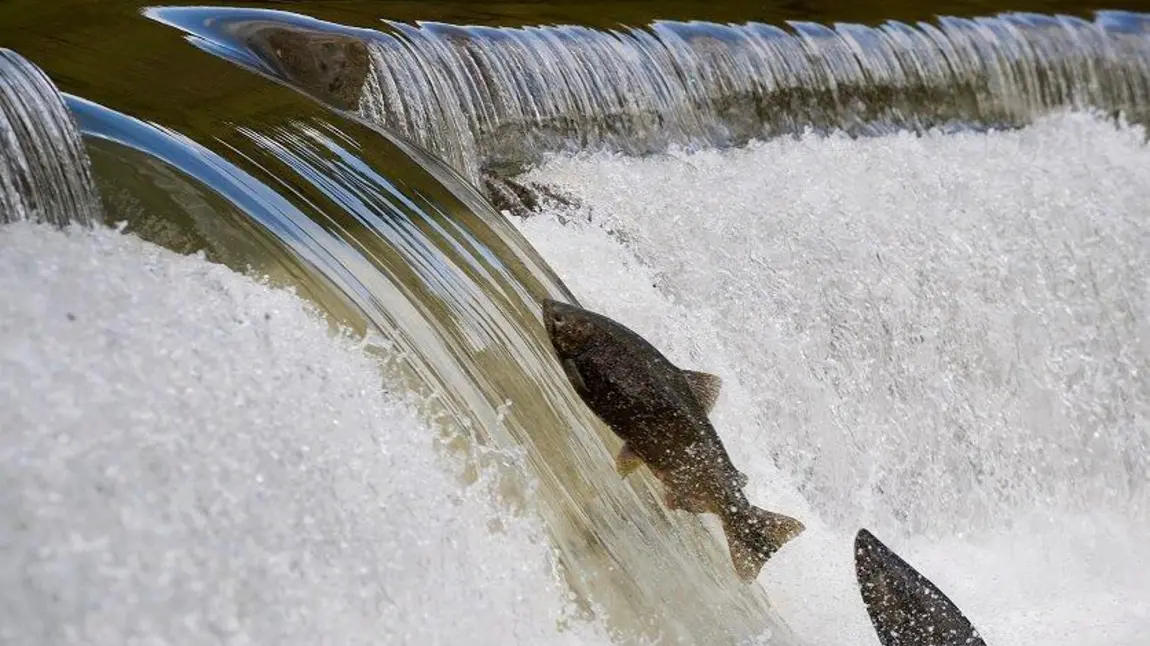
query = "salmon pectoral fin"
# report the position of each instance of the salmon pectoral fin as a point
(573, 375)
(754, 535)
(627, 460)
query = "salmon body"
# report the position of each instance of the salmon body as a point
(660, 413)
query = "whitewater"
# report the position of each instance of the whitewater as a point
(193, 457)
(941, 338)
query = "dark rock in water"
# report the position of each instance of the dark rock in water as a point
(523, 200)
(905, 608)
(331, 67)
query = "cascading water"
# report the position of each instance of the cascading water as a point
(483, 97)
(44, 173)
(188, 455)
(469, 328)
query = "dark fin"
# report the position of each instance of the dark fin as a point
(627, 461)
(705, 386)
(754, 535)
(904, 606)
(574, 377)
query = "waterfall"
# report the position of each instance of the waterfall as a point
(44, 173)
(494, 98)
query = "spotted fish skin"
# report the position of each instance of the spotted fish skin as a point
(906, 608)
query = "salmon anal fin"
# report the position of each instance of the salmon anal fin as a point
(705, 387)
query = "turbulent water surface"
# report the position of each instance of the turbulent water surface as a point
(913, 248)
(952, 353)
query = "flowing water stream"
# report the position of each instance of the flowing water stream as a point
(914, 251)
(44, 171)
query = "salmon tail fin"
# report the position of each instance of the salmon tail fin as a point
(754, 535)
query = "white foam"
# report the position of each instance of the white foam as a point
(941, 338)
(189, 457)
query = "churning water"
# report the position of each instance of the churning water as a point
(941, 338)
(189, 457)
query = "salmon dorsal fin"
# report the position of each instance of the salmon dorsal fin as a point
(705, 386)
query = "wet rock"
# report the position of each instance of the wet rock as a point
(524, 199)
(331, 67)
